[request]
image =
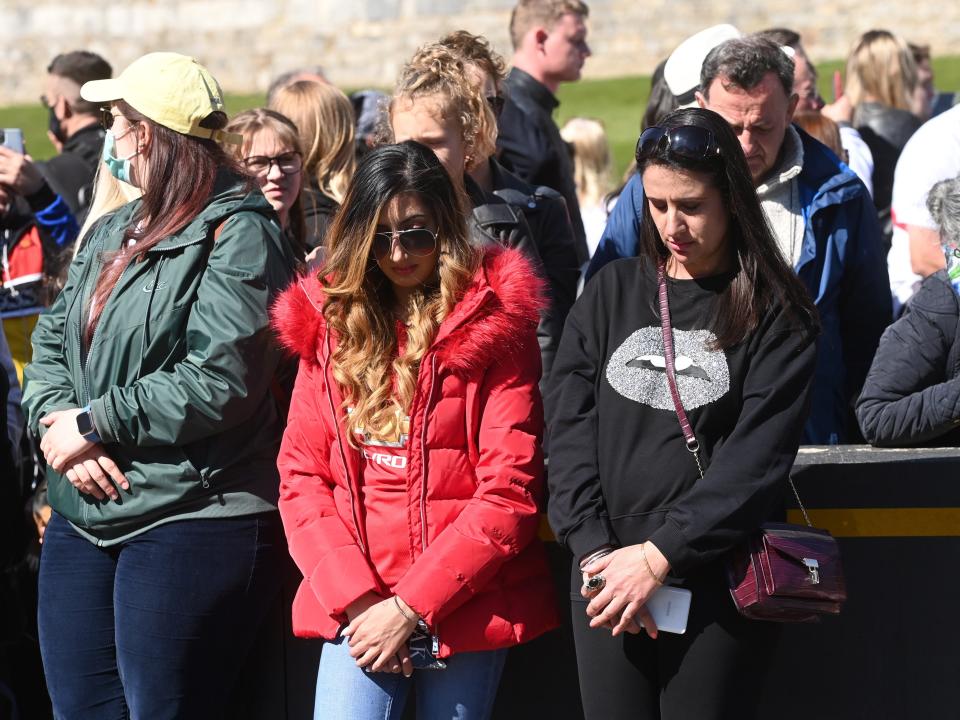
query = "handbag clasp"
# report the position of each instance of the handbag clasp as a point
(813, 567)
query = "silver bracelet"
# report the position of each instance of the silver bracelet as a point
(396, 601)
(596, 555)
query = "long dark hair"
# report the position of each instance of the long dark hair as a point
(182, 173)
(762, 277)
(377, 380)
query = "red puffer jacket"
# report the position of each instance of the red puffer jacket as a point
(470, 564)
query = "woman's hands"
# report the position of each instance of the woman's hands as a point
(378, 634)
(86, 465)
(630, 579)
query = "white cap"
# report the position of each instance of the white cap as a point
(682, 71)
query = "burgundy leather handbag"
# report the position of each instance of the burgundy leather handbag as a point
(782, 572)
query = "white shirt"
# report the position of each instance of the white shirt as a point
(932, 154)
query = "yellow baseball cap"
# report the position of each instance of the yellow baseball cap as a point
(171, 89)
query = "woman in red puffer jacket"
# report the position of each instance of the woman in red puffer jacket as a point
(411, 468)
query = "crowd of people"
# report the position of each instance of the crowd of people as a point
(350, 330)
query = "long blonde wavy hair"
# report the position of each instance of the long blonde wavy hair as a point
(881, 67)
(377, 380)
(324, 116)
(437, 74)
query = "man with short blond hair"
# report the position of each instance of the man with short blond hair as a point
(550, 47)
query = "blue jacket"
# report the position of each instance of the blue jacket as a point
(842, 265)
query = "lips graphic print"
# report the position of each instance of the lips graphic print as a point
(637, 369)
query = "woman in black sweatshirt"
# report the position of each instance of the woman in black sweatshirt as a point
(626, 495)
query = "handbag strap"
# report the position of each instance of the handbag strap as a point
(669, 356)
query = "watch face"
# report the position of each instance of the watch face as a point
(84, 423)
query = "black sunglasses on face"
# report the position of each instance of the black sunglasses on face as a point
(418, 242)
(106, 117)
(288, 162)
(687, 141)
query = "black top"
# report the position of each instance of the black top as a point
(71, 173)
(318, 212)
(885, 130)
(620, 473)
(530, 145)
(912, 392)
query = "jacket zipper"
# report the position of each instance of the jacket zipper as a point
(343, 456)
(423, 456)
(435, 636)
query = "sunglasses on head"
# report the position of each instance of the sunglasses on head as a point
(687, 141)
(418, 242)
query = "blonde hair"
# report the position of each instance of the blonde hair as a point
(881, 68)
(109, 194)
(378, 381)
(251, 123)
(437, 73)
(591, 159)
(475, 50)
(529, 14)
(324, 116)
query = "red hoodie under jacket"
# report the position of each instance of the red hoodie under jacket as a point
(470, 564)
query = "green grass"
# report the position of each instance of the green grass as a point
(619, 103)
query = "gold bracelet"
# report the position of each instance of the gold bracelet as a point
(643, 554)
(396, 601)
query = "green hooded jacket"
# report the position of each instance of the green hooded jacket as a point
(179, 371)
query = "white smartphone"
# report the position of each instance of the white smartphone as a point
(670, 607)
(12, 138)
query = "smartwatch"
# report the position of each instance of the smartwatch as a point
(86, 427)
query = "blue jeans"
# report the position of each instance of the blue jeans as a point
(466, 690)
(159, 626)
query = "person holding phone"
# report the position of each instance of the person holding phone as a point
(411, 467)
(37, 230)
(151, 386)
(626, 496)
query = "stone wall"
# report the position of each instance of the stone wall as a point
(364, 42)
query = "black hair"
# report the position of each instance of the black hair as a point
(81, 66)
(745, 62)
(762, 277)
(782, 36)
(661, 102)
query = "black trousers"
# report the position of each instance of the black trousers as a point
(714, 671)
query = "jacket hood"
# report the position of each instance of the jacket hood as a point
(500, 306)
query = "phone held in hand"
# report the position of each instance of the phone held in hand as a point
(12, 139)
(670, 607)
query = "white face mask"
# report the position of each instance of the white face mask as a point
(118, 167)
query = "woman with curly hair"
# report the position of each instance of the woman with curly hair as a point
(411, 466)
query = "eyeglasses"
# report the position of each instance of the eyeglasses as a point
(496, 103)
(289, 163)
(687, 141)
(419, 242)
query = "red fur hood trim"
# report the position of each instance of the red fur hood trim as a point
(501, 304)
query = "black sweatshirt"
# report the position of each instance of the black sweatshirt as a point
(620, 473)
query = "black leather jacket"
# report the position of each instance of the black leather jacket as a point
(531, 147)
(885, 130)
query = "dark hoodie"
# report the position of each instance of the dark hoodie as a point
(620, 472)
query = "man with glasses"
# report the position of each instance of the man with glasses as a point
(550, 47)
(73, 127)
(821, 215)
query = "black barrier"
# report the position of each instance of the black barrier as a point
(892, 654)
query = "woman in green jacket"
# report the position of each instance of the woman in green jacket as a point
(151, 383)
